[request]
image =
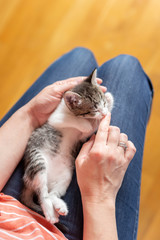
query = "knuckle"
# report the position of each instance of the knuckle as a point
(131, 151)
(132, 147)
(96, 154)
(124, 136)
(55, 88)
(111, 155)
(116, 129)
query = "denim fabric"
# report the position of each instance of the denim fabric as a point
(133, 92)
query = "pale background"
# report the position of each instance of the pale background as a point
(34, 33)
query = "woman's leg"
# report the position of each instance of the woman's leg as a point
(78, 62)
(133, 92)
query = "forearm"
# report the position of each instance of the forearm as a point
(14, 135)
(99, 221)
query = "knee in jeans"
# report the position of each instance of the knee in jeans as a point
(132, 64)
(129, 59)
(79, 51)
(124, 63)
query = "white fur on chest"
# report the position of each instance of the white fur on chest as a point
(73, 129)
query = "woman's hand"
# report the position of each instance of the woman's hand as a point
(102, 163)
(43, 104)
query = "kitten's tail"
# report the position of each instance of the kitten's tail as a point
(27, 199)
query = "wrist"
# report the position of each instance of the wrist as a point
(99, 198)
(108, 204)
(26, 112)
(99, 220)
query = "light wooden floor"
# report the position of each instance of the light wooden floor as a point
(34, 33)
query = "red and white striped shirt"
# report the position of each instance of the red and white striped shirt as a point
(18, 222)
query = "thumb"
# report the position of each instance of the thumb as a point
(65, 85)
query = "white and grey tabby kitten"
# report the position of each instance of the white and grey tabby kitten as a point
(49, 156)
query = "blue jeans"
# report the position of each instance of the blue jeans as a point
(133, 92)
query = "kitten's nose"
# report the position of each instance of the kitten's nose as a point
(103, 113)
(102, 110)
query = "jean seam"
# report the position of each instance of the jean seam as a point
(137, 216)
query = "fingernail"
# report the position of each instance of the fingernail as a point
(109, 116)
(99, 80)
(103, 88)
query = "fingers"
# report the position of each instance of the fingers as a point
(86, 148)
(130, 151)
(110, 135)
(65, 85)
(123, 139)
(104, 89)
(102, 133)
(99, 80)
(113, 136)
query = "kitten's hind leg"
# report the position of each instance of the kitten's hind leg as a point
(44, 199)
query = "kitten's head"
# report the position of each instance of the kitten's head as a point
(87, 99)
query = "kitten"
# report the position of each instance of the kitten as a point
(50, 154)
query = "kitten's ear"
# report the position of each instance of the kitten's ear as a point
(92, 77)
(72, 99)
